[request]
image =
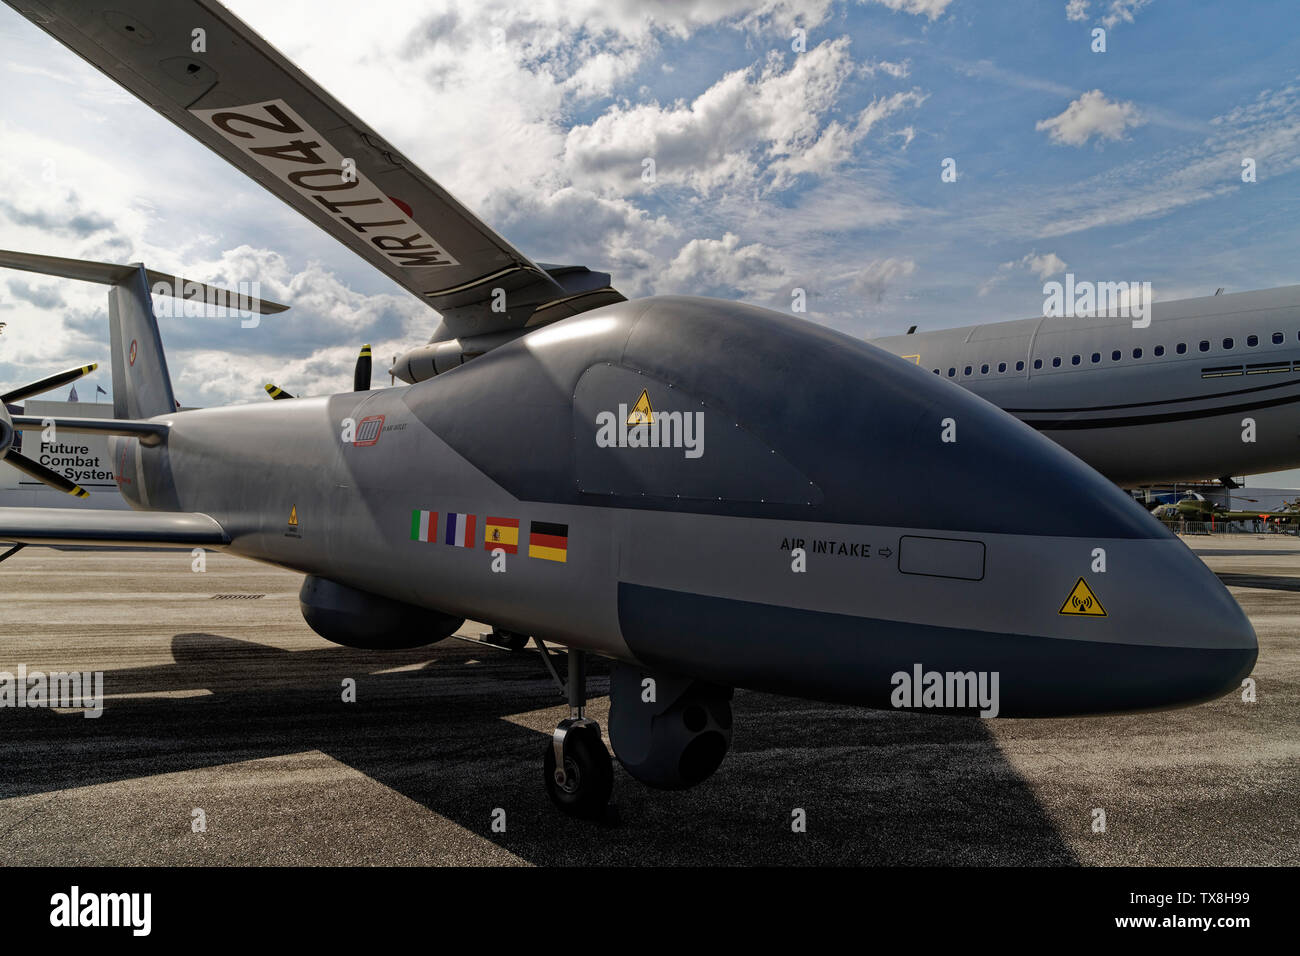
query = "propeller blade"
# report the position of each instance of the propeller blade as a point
(361, 376)
(47, 383)
(276, 391)
(43, 474)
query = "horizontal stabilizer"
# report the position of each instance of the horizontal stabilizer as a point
(150, 433)
(128, 529)
(108, 273)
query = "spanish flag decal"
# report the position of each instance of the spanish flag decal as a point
(501, 533)
(548, 541)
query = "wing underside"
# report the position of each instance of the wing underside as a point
(102, 528)
(248, 103)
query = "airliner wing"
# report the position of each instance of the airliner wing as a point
(131, 529)
(245, 101)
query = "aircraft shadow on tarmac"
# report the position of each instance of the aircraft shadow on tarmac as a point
(878, 788)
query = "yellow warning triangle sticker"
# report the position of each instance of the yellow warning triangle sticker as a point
(293, 516)
(642, 413)
(1083, 602)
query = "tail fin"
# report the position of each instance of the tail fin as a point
(141, 386)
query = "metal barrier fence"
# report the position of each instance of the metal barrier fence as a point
(1180, 526)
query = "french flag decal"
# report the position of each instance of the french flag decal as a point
(460, 530)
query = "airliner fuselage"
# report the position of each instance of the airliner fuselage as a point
(1208, 388)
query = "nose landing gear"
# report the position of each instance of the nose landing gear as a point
(578, 773)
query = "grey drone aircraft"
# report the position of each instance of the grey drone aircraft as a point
(708, 494)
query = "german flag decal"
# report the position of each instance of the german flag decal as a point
(501, 533)
(548, 541)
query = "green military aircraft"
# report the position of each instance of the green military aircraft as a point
(1195, 507)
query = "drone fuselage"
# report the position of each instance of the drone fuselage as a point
(796, 538)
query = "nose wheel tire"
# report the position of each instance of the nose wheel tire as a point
(588, 775)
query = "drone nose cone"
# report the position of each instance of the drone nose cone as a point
(1234, 658)
(1154, 631)
(1208, 646)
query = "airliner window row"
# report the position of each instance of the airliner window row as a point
(1180, 349)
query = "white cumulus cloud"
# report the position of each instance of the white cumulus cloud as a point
(729, 134)
(724, 266)
(874, 279)
(929, 8)
(1092, 114)
(1044, 266)
(1121, 11)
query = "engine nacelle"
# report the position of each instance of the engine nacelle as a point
(367, 621)
(424, 362)
(671, 733)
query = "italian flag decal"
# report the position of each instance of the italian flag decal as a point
(424, 526)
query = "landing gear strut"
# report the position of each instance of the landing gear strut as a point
(579, 775)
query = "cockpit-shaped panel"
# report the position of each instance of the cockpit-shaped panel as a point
(637, 436)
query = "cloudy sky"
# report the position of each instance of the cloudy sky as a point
(776, 168)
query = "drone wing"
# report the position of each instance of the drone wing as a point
(78, 526)
(248, 103)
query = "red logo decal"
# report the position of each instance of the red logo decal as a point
(131, 355)
(121, 469)
(368, 431)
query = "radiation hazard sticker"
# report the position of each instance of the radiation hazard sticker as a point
(1082, 601)
(642, 413)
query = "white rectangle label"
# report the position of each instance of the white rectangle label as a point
(281, 142)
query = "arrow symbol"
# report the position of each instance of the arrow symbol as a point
(885, 552)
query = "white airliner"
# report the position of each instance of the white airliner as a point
(1210, 389)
